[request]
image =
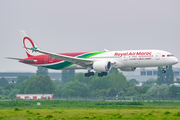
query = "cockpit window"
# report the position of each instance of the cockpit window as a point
(170, 55)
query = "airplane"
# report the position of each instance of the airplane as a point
(101, 61)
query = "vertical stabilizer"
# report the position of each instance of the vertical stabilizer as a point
(28, 42)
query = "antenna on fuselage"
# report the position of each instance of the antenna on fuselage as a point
(106, 50)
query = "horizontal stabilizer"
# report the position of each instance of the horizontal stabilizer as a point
(21, 59)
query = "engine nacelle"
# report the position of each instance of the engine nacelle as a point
(128, 69)
(101, 66)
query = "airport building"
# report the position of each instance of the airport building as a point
(143, 74)
(34, 96)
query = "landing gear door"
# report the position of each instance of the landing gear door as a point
(158, 56)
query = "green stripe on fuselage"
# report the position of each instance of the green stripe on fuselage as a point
(88, 55)
(65, 64)
(59, 65)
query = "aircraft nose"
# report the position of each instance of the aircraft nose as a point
(176, 60)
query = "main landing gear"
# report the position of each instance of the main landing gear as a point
(89, 74)
(102, 74)
(92, 74)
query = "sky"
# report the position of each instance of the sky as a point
(87, 25)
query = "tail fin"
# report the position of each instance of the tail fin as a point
(28, 42)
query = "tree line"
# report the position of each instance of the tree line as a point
(71, 85)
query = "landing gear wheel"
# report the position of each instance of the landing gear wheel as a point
(86, 74)
(102, 74)
(89, 74)
(92, 73)
(163, 71)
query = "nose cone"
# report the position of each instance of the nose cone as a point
(175, 60)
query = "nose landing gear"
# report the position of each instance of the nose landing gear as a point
(164, 69)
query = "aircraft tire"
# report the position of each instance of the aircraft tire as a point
(86, 74)
(100, 74)
(91, 73)
(163, 71)
(104, 73)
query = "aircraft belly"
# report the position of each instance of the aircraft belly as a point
(74, 66)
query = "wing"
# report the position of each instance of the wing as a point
(78, 61)
(20, 60)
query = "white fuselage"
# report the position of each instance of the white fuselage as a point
(134, 58)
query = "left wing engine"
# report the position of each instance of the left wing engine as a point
(102, 66)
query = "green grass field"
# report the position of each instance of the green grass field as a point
(79, 104)
(94, 110)
(91, 113)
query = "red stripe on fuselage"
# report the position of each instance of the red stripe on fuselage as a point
(45, 59)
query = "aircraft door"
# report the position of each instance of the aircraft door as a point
(158, 56)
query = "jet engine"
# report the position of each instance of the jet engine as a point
(101, 66)
(128, 69)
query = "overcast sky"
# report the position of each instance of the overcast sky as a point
(87, 25)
